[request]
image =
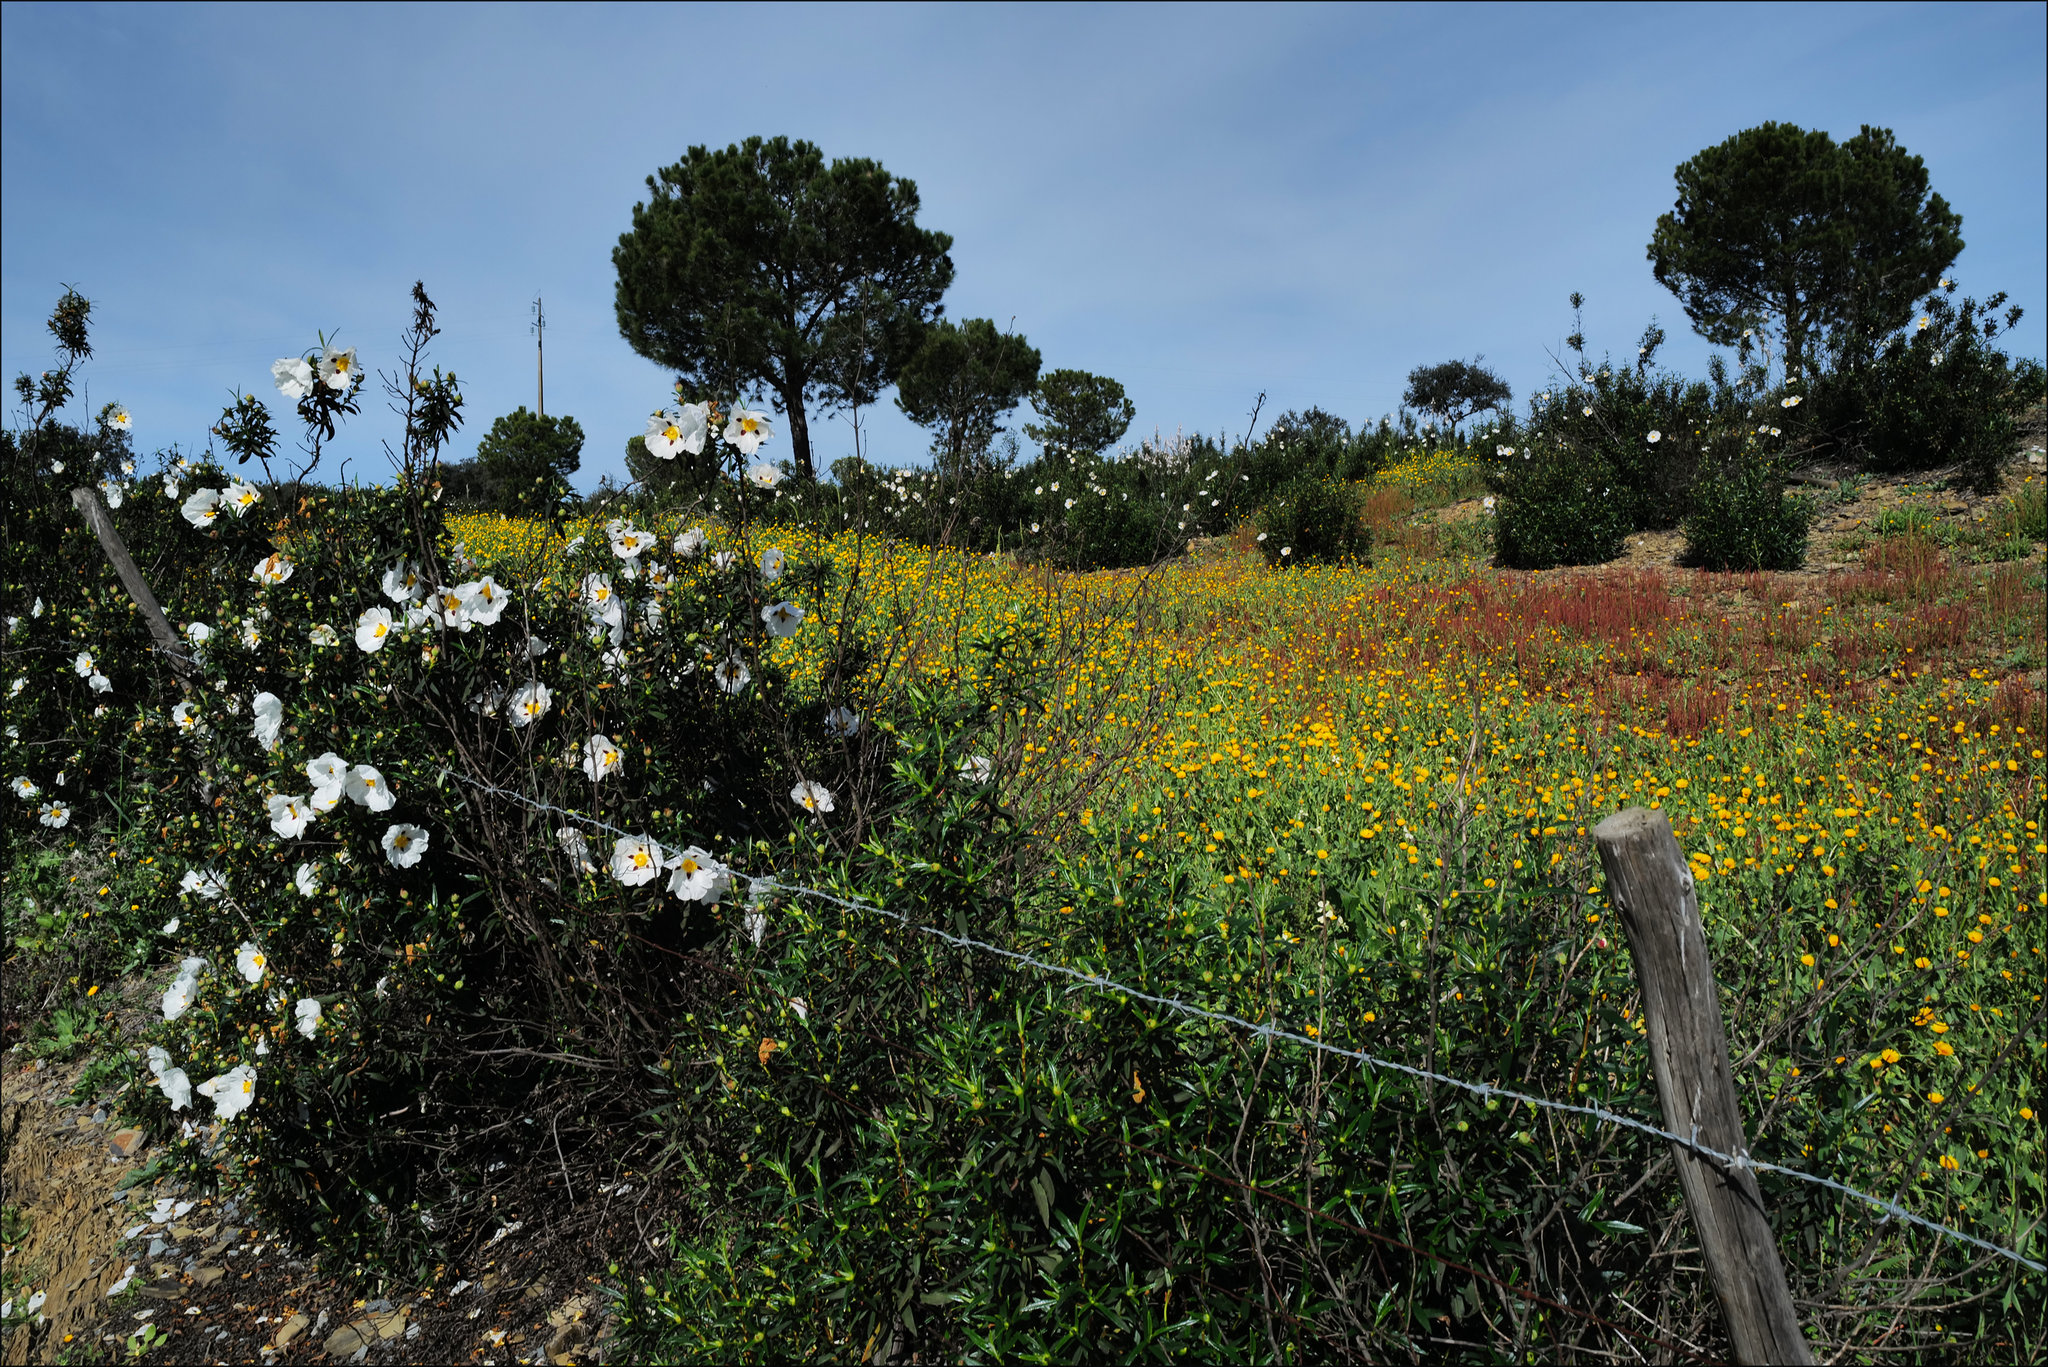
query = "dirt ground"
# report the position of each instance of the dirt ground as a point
(1845, 524)
(122, 1254)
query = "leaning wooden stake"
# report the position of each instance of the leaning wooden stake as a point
(102, 526)
(1651, 886)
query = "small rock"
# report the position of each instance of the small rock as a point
(207, 1276)
(570, 1337)
(290, 1330)
(157, 1247)
(347, 1339)
(125, 1143)
(390, 1326)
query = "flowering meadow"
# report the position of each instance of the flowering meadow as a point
(867, 910)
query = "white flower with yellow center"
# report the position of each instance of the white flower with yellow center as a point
(202, 883)
(683, 430)
(83, 665)
(368, 788)
(323, 635)
(327, 774)
(307, 1009)
(1789, 401)
(977, 769)
(402, 583)
(1655, 436)
(696, 877)
(763, 476)
(635, 860)
(483, 601)
(530, 702)
(374, 628)
(232, 1093)
(842, 722)
(629, 543)
(404, 844)
(731, 674)
(272, 569)
(771, 564)
(202, 508)
(24, 789)
(782, 619)
(289, 815)
(747, 429)
(602, 757)
(56, 815)
(690, 544)
(113, 492)
(120, 422)
(813, 797)
(338, 368)
(240, 496)
(250, 962)
(724, 560)
(293, 376)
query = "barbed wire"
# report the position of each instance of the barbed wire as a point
(1272, 1030)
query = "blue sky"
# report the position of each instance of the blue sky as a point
(1202, 202)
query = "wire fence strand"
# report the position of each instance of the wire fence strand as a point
(1889, 1209)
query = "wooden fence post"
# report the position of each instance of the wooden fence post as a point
(88, 503)
(1652, 888)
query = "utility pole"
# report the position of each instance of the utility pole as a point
(540, 326)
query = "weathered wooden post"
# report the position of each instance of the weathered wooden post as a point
(1652, 888)
(88, 503)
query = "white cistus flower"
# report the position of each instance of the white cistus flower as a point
(731, 674)
(747, 429)
(602, 757)
(690, 544)
(771, 564)
(324, 635)
(307, 1009)
(696, 877)
(683, 430)
(530, 702)
(232, 1093)
(294, 376)
(842, 722)
(177, 1087)
(289, 815)
(374, 628)
(271, 569)
(812, 797)
(483, 601)
(635, 860)
(178, 997)
(305, 882)
(629, 543)
(203, 508)
(328, 771)
(112, 490)
(402, 583)
(724, 560)
(977, 769)
(25, 788)
(250, 962)
(1655, 436)
(202, 883)
(404, 843)
(782, 619)
(368, 787)
(763, 475)
(267, 712)
(338, 368)
(240, 496)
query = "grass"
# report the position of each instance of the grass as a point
(1363, 811)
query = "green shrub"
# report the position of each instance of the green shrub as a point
(1937, 395)
(1742, 519)
(1555, 510)
(1312, 521)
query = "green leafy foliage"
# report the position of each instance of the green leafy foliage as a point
(1453, 391)
(524, 462)
(1079, 414)
(1742, 519)
(761, 267)
(961, 383)
(1823, 241)
(1312, 521)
